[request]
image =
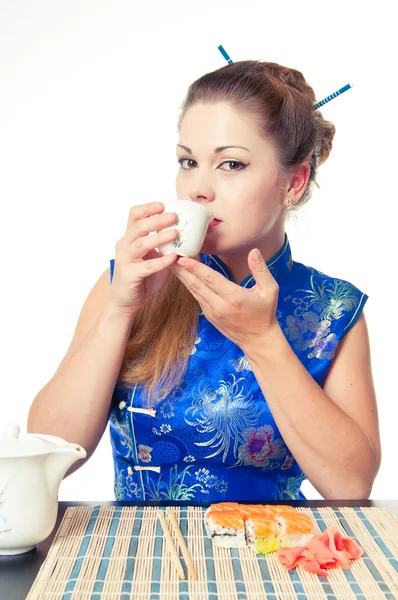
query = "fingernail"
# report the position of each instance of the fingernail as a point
(256, 255)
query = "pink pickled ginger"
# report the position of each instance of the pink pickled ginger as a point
(324, 551)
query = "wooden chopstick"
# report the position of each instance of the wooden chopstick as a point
(182, 544)
(169, 541)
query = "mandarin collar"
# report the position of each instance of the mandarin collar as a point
(279, 265)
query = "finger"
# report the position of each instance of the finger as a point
(147, 225)
(141, 246)
(153, 265)
(213, 280)
(260, 270)
(198, 288)
(141, 211)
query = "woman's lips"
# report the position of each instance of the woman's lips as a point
(214, 223)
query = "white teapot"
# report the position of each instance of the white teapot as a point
(32, 467)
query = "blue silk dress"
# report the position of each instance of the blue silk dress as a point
(213, 438)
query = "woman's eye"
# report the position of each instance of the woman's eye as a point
(182, 160)
(230, 162)
(234, 162)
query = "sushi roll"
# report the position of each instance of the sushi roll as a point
(279, 509)
(262, 534)
(226, 528)
(253, 510)
(263, 527)
(225, 506)
(221, 507)
(294, 529)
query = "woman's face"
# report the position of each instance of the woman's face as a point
(239, 185)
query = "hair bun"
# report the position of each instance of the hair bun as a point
(290, 77)
(325, 131)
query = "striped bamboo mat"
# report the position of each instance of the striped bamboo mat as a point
(118, 553)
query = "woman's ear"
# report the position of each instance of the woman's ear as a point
(299, 181)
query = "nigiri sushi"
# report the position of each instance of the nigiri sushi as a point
(226, 528)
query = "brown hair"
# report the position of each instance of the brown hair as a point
(280, 102)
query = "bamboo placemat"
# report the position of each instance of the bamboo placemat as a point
(118, 553)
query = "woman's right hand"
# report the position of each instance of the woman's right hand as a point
(140, 270)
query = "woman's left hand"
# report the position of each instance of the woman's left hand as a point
(243, 315)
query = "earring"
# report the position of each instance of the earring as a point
(290, 201)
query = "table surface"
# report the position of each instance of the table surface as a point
(17, 573)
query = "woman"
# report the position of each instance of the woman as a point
(237, 375)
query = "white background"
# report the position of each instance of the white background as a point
(89, 99)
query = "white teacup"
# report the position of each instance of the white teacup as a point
(192, 224)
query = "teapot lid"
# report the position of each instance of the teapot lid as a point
(12, 444)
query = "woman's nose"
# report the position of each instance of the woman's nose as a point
(198, 197)
(198, 187)
(201, 190)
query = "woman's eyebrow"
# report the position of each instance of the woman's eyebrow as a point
(216, 150)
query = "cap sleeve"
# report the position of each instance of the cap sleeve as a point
(353, 315)
(348, 301)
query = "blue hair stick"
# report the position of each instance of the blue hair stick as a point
(318, 104)
(225, 55)
(328, 98)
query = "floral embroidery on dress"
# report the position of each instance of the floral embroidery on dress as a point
(144, 453)
(125, 486)
(224, 412)
(331, 298)
(132, 486)
(167, 408)
(301, 305)
(289, 487)
(174, 489)
(307, 331)
(259, 448)
(210, 481)
(196, 342)
(242, 364)
(119, 419)
(288, 462)
(189, 458)
(221, 486)
(202, 474)
(181, 486)
(119, 487)
(324, 347)
(164, 428)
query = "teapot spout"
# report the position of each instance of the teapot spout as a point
(59, 461)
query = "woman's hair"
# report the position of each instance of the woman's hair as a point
(280, 102)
